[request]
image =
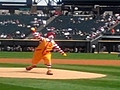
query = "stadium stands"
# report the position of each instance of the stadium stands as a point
(77, 27)
(17, 25)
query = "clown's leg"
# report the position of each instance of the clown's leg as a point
(30, 67)
(36, 58)
(47, 61)
(49, 71)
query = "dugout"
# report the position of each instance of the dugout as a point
(108, 46)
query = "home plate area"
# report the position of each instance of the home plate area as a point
(41, 73)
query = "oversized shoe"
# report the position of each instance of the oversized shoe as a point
(30, 67)
(49, 72)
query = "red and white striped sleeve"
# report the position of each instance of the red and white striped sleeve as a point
(37, 35)
(56, 47)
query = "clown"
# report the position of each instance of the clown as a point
(43, 51)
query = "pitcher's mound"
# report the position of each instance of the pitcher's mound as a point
(41, 73)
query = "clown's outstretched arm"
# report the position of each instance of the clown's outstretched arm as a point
(36, 34)
(56, 47)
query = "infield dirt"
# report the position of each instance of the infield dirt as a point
(58, 74)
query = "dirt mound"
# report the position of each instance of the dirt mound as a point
(41, 73)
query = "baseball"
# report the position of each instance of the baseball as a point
(33, 29)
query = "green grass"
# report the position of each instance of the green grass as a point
(58, 55)
(111, 82)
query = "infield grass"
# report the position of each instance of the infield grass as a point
(111, 82)
(88, 56)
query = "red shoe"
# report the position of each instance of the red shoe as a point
(49, 72)
(30, 67)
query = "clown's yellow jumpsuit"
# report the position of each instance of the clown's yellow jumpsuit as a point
(43, 51)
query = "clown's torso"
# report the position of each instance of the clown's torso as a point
(46, 46)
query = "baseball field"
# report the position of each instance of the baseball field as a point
(77, 71)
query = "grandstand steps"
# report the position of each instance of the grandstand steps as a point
(105, 37)
(114, 25)
(48, 21)
(42, 26)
